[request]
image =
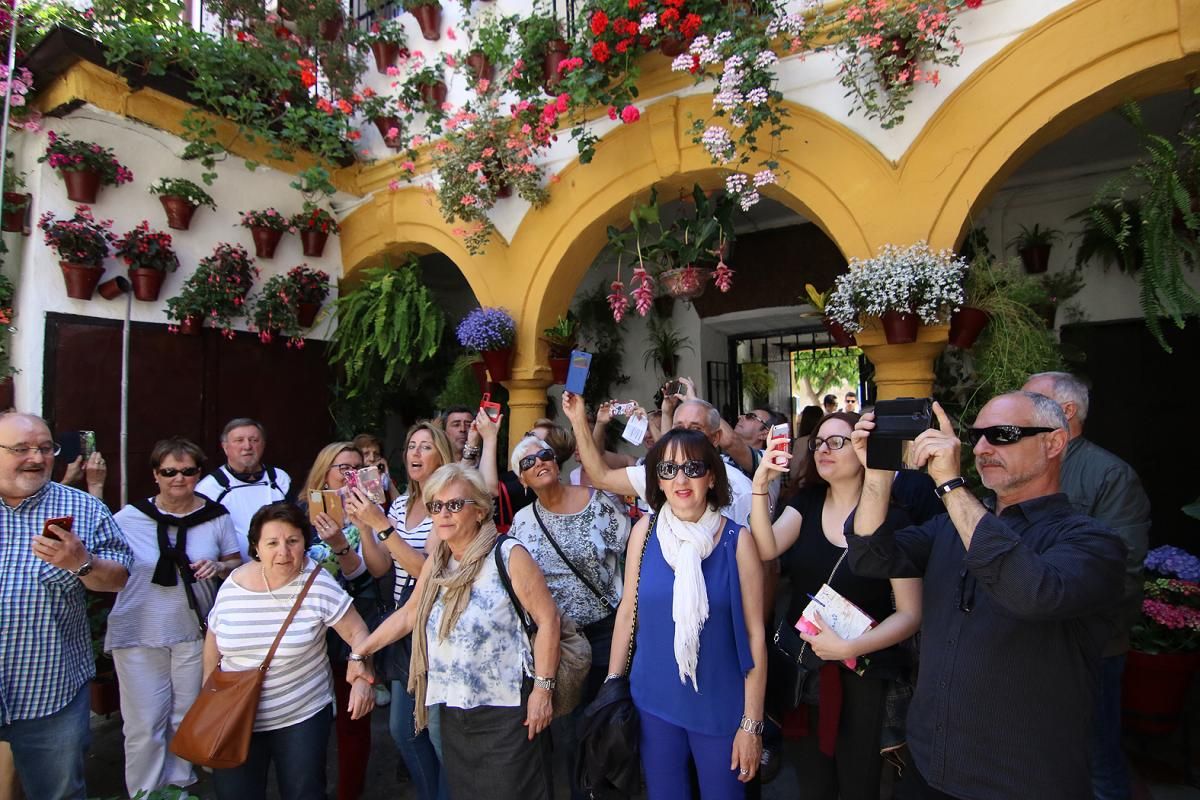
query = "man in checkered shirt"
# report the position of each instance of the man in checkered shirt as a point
(46, 658)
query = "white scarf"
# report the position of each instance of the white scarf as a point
(684, 546)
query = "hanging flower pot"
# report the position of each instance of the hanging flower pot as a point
(838, 333)
(900, 328)
(16, 211)
(686, 282)
(330, 28)
(479, 369)
(385, 124)
(386, 54)
(81, 279)
(1153, 690)
(147, 283)
(499, 363)
(191, 326)
(672, 46)
(179, 211)
(1036, 258)
(265, 241)
(429, 17)
(314, 242)
(559, 368)
(306, 314)
(113, 288)
(557, 51)
(82, 185)
(433, 94)
(965, 326)
(481, 66)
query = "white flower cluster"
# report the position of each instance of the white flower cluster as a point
(718, 144)
(648, 22)
(913, 279)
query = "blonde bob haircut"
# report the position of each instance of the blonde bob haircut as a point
(326, 459)
(472, 480)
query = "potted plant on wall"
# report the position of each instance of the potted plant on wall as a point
(540, 48)
(490, 37)
(150, 257)
(273, 312)
(429, 17)
(384, 111)
(84, 166)
(562, 337)
(820, 300)
(216, 292)
(904, 287)
(1033, 245)
(428, 79)
(491, 333)
(315, 225)
(82, 243)
(267, 227)
(665, 343)
(310, 288)
(16, 203)
(180, 198)
(387, 42)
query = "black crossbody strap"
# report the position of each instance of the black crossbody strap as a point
(566, 560)
(526, 622)
(637, 594)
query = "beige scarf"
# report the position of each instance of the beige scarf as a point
(458, 591)
(684, 546)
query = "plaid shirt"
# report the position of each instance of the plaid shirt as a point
(45, 642)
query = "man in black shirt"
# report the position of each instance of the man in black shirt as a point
(1017, 604)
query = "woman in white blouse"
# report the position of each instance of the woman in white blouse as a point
(471, 655)
(296, 707)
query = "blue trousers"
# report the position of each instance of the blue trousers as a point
(416, 750)
(667, 750)
(298, 752)
(48, 751)
(1110, 776)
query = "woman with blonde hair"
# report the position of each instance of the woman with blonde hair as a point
(471, 656)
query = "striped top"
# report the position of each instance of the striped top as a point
(298, 683)
(415, 538)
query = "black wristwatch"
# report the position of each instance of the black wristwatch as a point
(386, 532)
(84, 569)
(343, 551)
(950, 486)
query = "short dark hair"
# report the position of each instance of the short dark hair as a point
(852, 394)
(458, 410)
(179, 447)
(368, 440)
(693, 445)
(811, 476)
(242, 422)
(829, 398)
(283, 511)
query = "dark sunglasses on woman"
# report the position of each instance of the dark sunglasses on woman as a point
(531, 459)
(453, 506)
(187, 472)
(1003, 434)
(667, 470)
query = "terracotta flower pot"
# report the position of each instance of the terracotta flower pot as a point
(179, 211)
(1153, 690)
(672, 46)
(481, 66)
(429, 17)
(481, 376)
(433, 94)
(306, 314)
(559, 368)
(330, 28)
(16, 211)
(900, 328)
(314, 242)
(81, 279)
(839, 335)
(385, 124)
(147, 283)
(965, 326)
(499, 363)
(386, 54)
(191, 326)
(557, 51)
(113, 288)
(1036, 259)
(265, 241)
(82, 186)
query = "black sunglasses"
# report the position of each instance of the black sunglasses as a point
(667, 470)
(541, 455)
(187, 472)
(1003, 434)
(453, 506)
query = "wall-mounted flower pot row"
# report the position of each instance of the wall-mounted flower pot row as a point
(267, 239)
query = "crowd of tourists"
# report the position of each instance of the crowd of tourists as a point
(659, 620)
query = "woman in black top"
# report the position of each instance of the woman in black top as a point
(843, 760)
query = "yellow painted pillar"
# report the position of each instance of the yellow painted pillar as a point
(526, 404)
(902, 370)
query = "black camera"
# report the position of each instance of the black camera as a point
(897, 423)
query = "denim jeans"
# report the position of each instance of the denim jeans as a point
(416, 750)
(298, 752)
(1110, 775)
(49, 751)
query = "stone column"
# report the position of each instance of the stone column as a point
(902, 370)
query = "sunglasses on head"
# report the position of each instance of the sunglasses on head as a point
(1004, 434)
(667, 470)
(187, 472)
(453, 506)
(531, 459)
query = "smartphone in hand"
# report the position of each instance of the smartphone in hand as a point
(61, 522)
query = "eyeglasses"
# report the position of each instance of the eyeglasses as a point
(47, 450)
(1003, 434)
(531, 459)
(344, 467)
(832, 442)
(453, 506)
(667, 470)
(187, 472)
(755, 417)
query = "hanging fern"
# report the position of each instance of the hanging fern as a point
(390, 322)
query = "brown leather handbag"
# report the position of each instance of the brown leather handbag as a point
(216, 730)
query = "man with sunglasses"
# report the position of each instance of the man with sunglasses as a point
(1104, 487)
(46, 660)
(1016, 606)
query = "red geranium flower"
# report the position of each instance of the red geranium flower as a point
(600, 52)
(599, 22)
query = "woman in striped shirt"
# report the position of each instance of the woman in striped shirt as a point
(296, 707)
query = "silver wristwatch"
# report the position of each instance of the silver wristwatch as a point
(545, 683)
(84, 568)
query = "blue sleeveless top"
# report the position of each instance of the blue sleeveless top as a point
(724, 657)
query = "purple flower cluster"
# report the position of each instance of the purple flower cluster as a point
(486, 329)
(1173, 562)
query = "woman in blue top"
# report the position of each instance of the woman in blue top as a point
(694, 583)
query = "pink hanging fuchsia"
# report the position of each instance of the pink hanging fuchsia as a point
(723, 276)
(643, 293)
(617, 300)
